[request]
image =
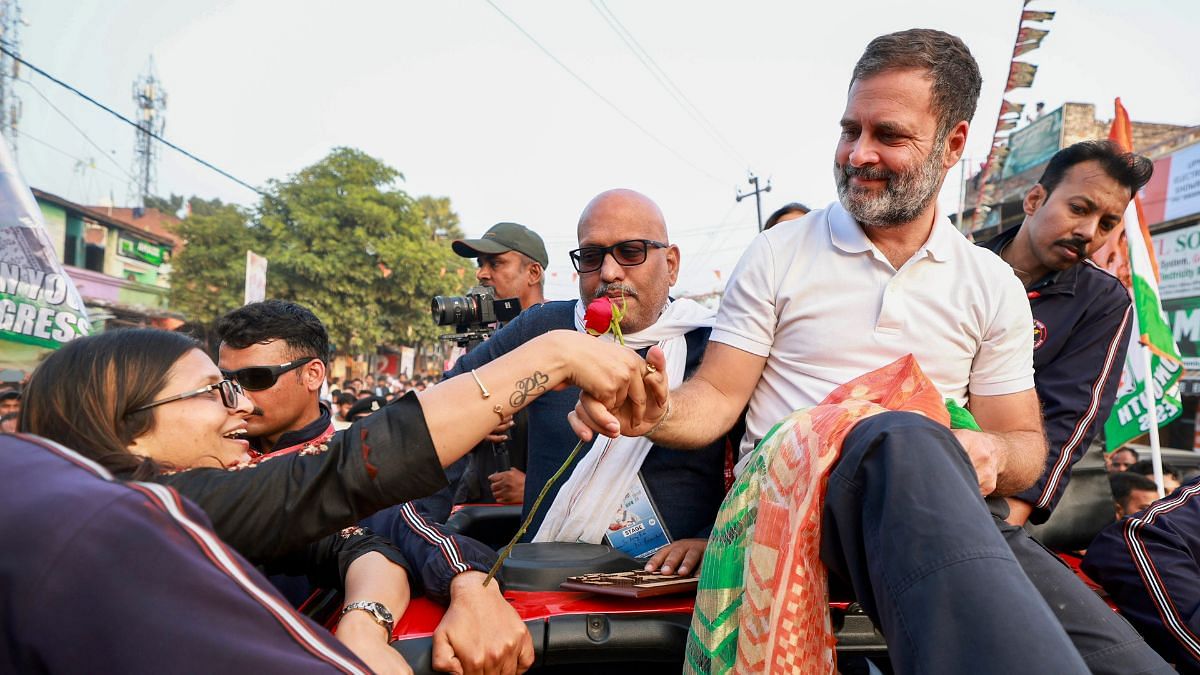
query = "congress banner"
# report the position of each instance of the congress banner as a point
(39, 304)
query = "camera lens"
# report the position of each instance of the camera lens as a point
(451, 310)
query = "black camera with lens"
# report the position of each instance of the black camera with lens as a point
(474, 315)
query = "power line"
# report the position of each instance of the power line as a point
(87, 138)
(5, 50)
(602, 97)
(665, 80)
(68, 155)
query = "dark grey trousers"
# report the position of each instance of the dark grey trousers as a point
(952, 587)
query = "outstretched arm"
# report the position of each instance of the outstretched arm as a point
(459, 415)
(693, 415)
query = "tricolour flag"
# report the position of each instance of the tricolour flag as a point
(1130, 416)
(39, 304)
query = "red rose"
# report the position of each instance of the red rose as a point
(599, 315)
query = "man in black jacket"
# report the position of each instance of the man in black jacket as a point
(277, 351)
(1148, 565)
(1081, 313)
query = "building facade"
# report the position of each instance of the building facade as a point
(122, 268)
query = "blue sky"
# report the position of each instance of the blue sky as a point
(466, 106)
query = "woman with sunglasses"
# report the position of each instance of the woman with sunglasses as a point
(147, 404)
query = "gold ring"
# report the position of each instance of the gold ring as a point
(650, 369)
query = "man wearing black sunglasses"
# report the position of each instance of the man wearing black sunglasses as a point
(624, 254)
(276, 350)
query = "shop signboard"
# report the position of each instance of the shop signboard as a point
(142, 250)
(1178, 253)
(1184, 316)
(1174, 190)
(1034, 144)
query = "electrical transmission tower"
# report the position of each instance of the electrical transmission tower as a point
(10, 36)
(151, 102)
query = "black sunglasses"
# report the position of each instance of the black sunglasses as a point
(627, 254)
(257, 378)
(229, 390)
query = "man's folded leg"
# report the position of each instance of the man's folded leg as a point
(905, 525)
(1105, 640)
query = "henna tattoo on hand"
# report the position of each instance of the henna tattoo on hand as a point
(529, 386)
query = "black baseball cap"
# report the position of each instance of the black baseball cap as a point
(365, 406)
(8, 393)
(504, 237)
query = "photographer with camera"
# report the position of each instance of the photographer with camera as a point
(512, 265)
(512, 262)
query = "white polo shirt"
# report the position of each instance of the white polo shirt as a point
(823, 305)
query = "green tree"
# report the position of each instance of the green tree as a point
(170, 204)
(440, 220)
(346, 242)
(208, 274)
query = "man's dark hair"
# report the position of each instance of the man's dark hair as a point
(1129, 169)
(1126, 448)
(1124, 483)
(945, 58)
(793, 207)
(262, 322)
(346, 399)
(1145, 467)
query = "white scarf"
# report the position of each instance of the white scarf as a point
(588, 501)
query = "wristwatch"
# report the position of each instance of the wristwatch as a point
(377, 611)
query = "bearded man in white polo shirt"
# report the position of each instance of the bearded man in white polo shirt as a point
(819, 301)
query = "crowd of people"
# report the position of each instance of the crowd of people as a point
(163, 478)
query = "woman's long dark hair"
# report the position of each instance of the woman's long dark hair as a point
(81, 395)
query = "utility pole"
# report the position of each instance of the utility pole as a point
(151, 103)
(10, 105)
(757, 192)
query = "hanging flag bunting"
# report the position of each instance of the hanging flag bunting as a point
(1009, 108)
(1020, 74)
(1140, 387)
(1025, 48)
(1030, 34)
(1035, 15)
(39, 304)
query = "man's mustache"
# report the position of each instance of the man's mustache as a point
(256, 412)
(1076, 244)
(866, 172)
(605, 289)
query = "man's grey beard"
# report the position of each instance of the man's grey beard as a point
(904, 196)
